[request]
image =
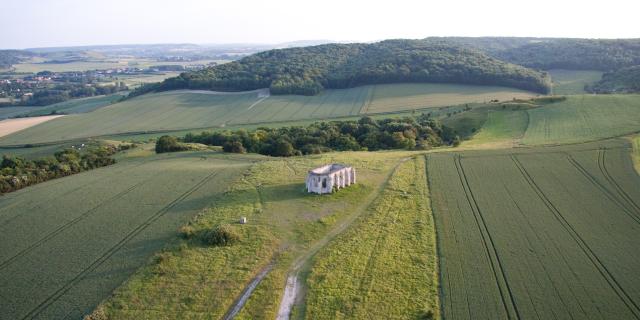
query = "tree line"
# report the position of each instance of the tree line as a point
(17, 172)
(417, 133)
(309, 70)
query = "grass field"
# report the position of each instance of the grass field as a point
(502, 128)
(573, 81)
(583, 118)
(198, 282)
(538, 233)
(180, 110)
(393, 97)
(384, 266)
(68, 243)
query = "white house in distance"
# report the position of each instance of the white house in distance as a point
(323, 179)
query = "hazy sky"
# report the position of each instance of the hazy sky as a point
(41, 23)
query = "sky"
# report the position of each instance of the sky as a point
(47, 23)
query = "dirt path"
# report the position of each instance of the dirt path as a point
(10, 126)
(261, 92)
(237, 306)
(295, 290)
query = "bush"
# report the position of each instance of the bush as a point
(169, 144)
(186, 232)
(223, 235)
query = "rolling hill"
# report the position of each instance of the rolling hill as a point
(309, 70)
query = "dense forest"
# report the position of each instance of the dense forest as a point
(309, 70)
(556, 53)
(625, 80)
(575, 54)
(417, 133)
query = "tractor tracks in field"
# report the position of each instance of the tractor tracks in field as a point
(605, 191)
(602, 269)
(114, 249)
(623, 194)
(506, 294)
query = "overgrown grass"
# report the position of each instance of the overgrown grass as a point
(635, 142)
(385, 265)
(190, 280)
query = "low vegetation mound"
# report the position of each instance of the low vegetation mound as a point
(309, 70)
(625, 80)
(223, 235)
(421, 133)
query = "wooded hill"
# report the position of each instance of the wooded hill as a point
(625, 80)
(309, 70)
(556, 53)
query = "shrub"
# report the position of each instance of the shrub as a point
(186, 232)
(169, 144)
(223, 235)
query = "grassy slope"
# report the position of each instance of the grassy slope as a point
(180, 110)
(383, 266)
(572, 81)
(67, 243)
(202, 283)
(395, 97)
(583, 118)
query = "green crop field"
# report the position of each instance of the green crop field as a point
(8, 112)
(180, 110)
(538, 233)
(573, 81)
(82, 105)
(68, 243)
(383, 267)
(583, 118)
(393, 97)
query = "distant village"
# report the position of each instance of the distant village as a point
(48, 87)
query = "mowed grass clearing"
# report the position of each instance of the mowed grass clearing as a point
(384, 266)
(583, 118)
(181, 110)
(573, 81)
(66, 244)
(539, 233)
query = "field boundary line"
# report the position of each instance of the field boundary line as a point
(603, 167)
(441, 295)
(111, 251)
(495, 261)
(602, 269)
